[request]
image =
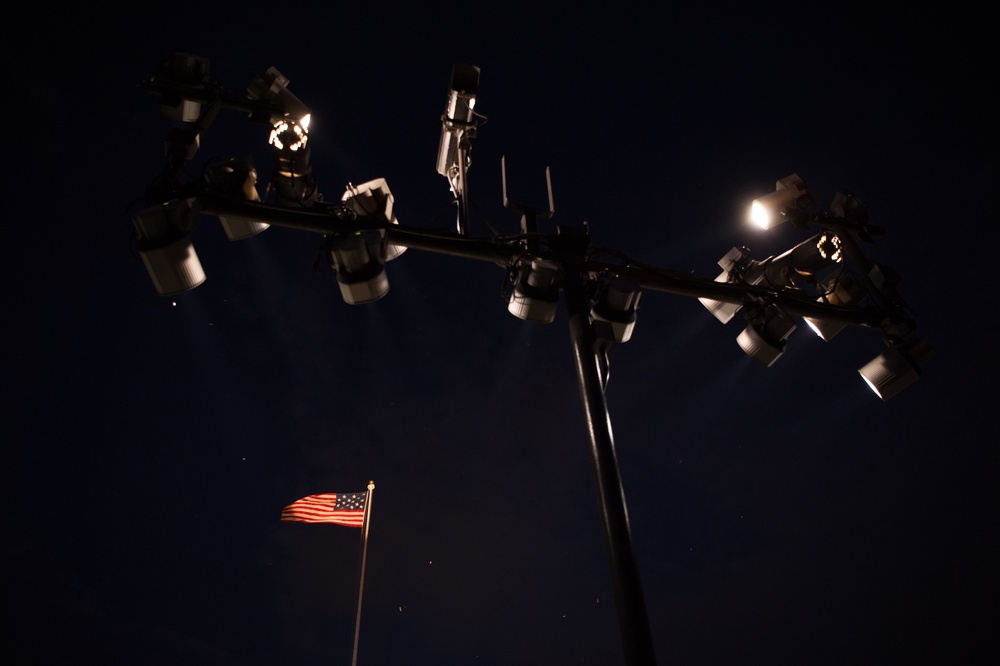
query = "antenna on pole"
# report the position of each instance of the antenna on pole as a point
(529, 215)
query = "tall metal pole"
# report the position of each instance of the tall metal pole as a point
(361, 579)
(633, 621)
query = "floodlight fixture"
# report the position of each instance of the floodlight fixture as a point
(736, 267)
(373, 200)
(764, 339)
(293, 178)
(804, 260)
(790, 200)
(534, 292)
(359, 260)
(237, 179)
(272, 87)
(182, 71)
(781, 272)
(840, 289)
(853, 212)
(165, 248)
(289, 119)
(897, 367)
(614, 312)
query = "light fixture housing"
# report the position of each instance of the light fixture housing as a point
(293, 178)
(373, 200)
(737, 267)
(180, 73)
(237, 179)
(722, 310)
(842, 290)
(613, 315)
(165, 248)
(764, 339)
(534, 295)
(359, 260)
(897, 367)
(790, 200)
(272, 87)
(289, 119)
(804, 260)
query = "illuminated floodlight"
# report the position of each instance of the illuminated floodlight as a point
(781, 272)
(804, 260)
(535, 292)
(730, 264)
(896, 368)
(791, 197)
(289, 119)
(166, 249)
(293, 178)
(373, 200)
(613, 315)
(359, 259)
(238, 179)
(764, 339)
(840, 290)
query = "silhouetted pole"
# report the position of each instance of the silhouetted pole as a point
(361, 578)
(633, 621)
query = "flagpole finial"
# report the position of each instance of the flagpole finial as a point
(371, 485)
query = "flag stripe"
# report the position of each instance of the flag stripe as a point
(339, 508)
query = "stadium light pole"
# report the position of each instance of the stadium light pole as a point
(361, 233)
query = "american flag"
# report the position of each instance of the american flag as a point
(340, 508)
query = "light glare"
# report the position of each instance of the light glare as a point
(760, 215)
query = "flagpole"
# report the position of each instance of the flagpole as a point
(361, 581)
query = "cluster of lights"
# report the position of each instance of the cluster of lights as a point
(764, 338)
(539, 265)
(163, 228)
(535, 279)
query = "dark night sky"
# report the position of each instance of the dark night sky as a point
(783, 515)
